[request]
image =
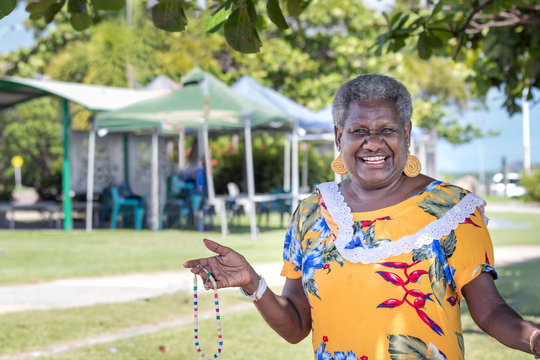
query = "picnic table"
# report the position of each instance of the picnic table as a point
(49, 211)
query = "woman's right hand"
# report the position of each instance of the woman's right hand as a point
(229, 268)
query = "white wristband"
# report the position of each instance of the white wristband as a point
(257, 295)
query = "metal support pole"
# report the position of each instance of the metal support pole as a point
(154, 214)
(250, 177)
(295, 182)
(287, 166)
(90, 176)
(67, 204)
(526, 137)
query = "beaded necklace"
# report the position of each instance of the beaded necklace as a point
(196, 316)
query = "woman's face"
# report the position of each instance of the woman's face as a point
(373, 143)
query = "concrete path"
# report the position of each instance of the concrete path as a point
(70, 293)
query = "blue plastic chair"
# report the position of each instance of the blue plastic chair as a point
(278, 205)
(126, 206)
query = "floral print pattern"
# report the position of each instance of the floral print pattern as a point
(423, 283)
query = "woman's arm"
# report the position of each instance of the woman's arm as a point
(494, 316)
(289, 314)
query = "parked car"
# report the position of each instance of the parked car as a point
(512, 189)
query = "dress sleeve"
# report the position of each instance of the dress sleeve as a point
(292, 248)
(473, 252)
(291, 265)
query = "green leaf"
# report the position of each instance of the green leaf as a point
(76, 6)
(424, 50)
(450, 244)
(438, 280)
(295, 7)
(38, 6)
(311, 288)
(275, 14)
(6, 7)
(394, 19)
(406, 347)
(51, 12)
(218, 17)
(402, 22)
(437, 8)
(108, 4)
(461, 342)
(423, 253)
(169, 15)
(80, 21)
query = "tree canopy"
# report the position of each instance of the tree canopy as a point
(324, 45)
(498, 39)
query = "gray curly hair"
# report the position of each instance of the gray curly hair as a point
(371, 87)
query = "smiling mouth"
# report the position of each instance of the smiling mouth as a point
(374, 160)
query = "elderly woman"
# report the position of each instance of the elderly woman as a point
(378, 265)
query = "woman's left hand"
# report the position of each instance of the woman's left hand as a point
(229, 268)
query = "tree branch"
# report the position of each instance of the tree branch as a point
(466, 24)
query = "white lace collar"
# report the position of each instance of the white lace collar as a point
(342, 215)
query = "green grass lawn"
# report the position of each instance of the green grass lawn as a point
(30, 256)
(44, 255)
(527, 236)
(246, 336)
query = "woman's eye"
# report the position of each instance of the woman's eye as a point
(360, 131)
(387, 131)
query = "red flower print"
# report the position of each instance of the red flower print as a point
(326, 266)
(364, 357)
(415, 275)
(368, 223)
(325, 338)
(390, 303)
(453, 300)
(418, 298)
(469, 221)
(391, 278)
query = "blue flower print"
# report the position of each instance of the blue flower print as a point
(321, 225)
(340, 355)
(321, 354)
(296, 253)
(432, 186)
(311, 261)
(290, 235)
(449, 271)
(357, 241)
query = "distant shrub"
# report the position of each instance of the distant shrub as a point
(532, 184)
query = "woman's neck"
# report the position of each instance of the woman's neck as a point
(361, 199)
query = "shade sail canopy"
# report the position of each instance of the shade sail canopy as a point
(260, 94)
(186, 107)
(14, 90)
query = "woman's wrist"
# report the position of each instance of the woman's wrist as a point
(534, 343)
(257, 294)
(252, 285)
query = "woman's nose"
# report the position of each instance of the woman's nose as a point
(373, 142)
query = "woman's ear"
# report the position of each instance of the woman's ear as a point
(408, 129)
(337, 135)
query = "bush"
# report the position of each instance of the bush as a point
(268, 158)
(532, 184)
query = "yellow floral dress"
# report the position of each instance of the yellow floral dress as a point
(386, 284)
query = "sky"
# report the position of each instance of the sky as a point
(487, 153)
(482, 154)
(13, 33)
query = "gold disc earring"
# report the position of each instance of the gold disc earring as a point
(338, 166)
(412, 166)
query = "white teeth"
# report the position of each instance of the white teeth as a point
(374, 159)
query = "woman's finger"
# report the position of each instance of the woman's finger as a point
(217, 248)
(194, 263)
